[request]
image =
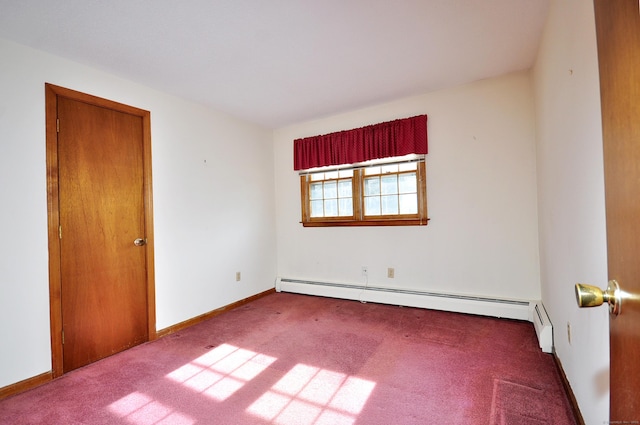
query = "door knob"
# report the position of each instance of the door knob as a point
(592, 296)
(140, 242)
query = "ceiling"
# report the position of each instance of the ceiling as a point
(280, 62)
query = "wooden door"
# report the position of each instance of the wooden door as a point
(105, 299)
(618, 34)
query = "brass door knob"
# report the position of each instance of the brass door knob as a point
(592, 296)
(140, 242)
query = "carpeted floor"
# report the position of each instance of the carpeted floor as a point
(294, 360)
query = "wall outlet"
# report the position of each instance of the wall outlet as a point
(391, 272)
(238, 276)
(365, 271)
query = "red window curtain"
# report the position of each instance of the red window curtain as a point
(384, 140)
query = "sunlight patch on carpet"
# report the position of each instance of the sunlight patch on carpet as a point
(308, 395)
(140, 409)
(222, 371)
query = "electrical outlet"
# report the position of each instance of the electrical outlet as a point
(569, 332)
(365, 271)
(238, 276)
(391, 272)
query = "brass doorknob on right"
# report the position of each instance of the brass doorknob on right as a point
(140, 242)
(592, 296)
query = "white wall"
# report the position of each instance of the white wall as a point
(481, 190)
(211, 219)
(215, 218)
(571, 198)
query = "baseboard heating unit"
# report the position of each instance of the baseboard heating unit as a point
(530, 310)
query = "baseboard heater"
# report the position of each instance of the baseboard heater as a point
(530, 310)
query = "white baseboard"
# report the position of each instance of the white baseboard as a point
(542, 324)
(530, 310)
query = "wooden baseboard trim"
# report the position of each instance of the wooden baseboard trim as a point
(567, 388)
(38, 380)
(198, 319)
(25, 385)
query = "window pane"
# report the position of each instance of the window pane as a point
(372, 205)
(372, 186)
(408, 183)
(315, 191)
(330, 208)
(372, 170)
(331, 175)
(345, 207)
(317, 176)
(389, 184)
(346, 173)
(344, 189)
(408, 166)
(392, 168)
(316, 209)
(330, 190)
(389, 205)
(409, 204)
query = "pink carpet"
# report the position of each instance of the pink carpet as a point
(294, 360)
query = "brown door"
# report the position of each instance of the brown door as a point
(102, 230)
(618, 33)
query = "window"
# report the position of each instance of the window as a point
(367, 176)
(331, 194)
(387, 194)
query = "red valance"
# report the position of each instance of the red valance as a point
(388, 139)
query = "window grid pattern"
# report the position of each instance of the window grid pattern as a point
(391, 190)
(331, 194)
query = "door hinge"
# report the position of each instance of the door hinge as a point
(63, 336)
(60, 232)
(57, 125)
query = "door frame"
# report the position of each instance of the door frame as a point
(52, 92)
